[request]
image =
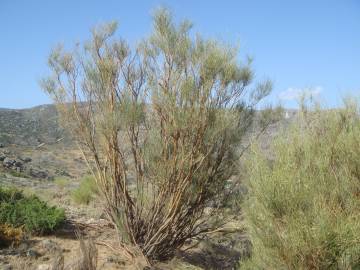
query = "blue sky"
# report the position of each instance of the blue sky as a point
(303, 45)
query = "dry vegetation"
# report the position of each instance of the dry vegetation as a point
(302, 208)
(159, 127)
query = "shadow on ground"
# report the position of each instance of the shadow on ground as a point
(216, 256)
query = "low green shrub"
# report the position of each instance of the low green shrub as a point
(86, 191)
(29, 213)
(302, 209)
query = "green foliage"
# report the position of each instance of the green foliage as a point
(303, 208)
(86, 191)
(30, 213)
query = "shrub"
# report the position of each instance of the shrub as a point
(86, 190)
(303, 208)
(10, 235)
(159, 125)
(30, 213)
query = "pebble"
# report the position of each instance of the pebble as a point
(44, 267)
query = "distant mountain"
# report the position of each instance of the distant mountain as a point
(30, 127)
(40, 124)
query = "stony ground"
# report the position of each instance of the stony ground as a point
(87, 221)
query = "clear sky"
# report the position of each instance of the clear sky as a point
(301, 45)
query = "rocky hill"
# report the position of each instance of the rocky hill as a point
(32, 142)
(40, 125)
(30, 127)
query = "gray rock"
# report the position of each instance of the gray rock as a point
(8, 162)
(2, 156)
(18, 163)
(32, 253)
(37, 173)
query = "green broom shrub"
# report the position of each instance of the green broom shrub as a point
(302, 209)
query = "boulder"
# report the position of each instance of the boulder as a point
(36, 173)
(18, 163)
(8, 162)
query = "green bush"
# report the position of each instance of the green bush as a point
(86, 191)
(30, 213)
(303, 207)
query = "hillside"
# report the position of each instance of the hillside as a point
(30, 127)
(40, 125)
(34, 144)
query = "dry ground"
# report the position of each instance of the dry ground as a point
(218, 251)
